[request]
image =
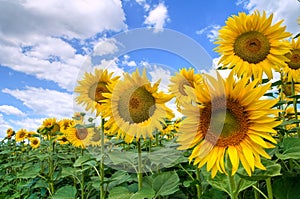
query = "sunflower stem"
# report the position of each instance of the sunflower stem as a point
(295, 106)
(198, 185)
(82, 178)
(102, 192)
(139, 174)
(233, 193)
(269, 188)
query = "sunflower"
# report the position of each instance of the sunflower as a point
(251, 45)
(135, 107)
(179, 81)
(287, 89)
(62, 139)
(51, 126)
(21, 135)
(9, 133)
(298, 20)
(292, 70)
(64, 124)
(79, 136)
(92, 86)
(228, 119)
(35, 142)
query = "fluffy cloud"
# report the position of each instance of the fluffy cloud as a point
(11, 110)
(50, 103)
(210, 31)
(284, 9)
(31, 33)
(157, 17)
(105, 46)
(3, 126)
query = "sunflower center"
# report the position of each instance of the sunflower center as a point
(81, 133)
(294, 58)
(230, 130)
(137, 106)
(64, 139)
(252, 47)
(96, 90)
(22, 134)
(35, 142)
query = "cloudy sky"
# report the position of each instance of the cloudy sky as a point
(45, 46)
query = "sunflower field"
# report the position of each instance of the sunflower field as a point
(239, 136)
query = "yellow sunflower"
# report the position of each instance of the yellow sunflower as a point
(292, 70)
(62, 139)
(51, 125)
(35, 142)
(298, 20)
(135, 107)
(21, 135)
(179, 81)
(65, 123)
(79, 137)
(9, 133)
(251, 45)
(92, 86)
(228, 119)
(287, 89)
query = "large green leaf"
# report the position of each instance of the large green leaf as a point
(83, 159)
(65, 192)
(30, 172)
(272, 170)
(221, 182)
(119, 193)
(165, 183)
(144, 193)
(118, 178)
(290, 149)
(287, 187)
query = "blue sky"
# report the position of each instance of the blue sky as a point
(46, 45)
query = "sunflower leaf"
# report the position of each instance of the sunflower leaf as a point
(65, 192)
(291, 149)
(119, 193)
(166, 183)
(83, 159)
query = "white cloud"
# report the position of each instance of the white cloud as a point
(211, 32)
(127, 62)
(30, 124)
(159, 73)
(31, 32)
(80, 18)
(143, 3)
(3, 126)
(157, 17)
(111, 66)
(282, 9)
(11, 110)
(106, 46)
(50, 103)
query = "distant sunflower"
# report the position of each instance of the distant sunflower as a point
(9, 133)
(228, 118)
(65, 123)
(292, 70)
(179, 81)
(62, 139)
(21, 135)
(298, 20)
(35, 142)
(92, 86)
(51, 125)
(251, 45)
(79, 137)
(135, 107)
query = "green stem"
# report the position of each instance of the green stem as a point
(269, 188)
(51, 166)
(256, 193)
(198, 185)
(139, 174)
(259, 191)
(102, 192)
(186, 172)
(295, 106)
(233, 192)
(82, 179)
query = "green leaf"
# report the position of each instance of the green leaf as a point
(166, 183)
(221, 182)
(286, 187)
(65, 192)
(119, 193)
(68, 171)
(272, 170)
(83, 159)
(144, 193)
(118, 178)
(30, 172)
(291, 149)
